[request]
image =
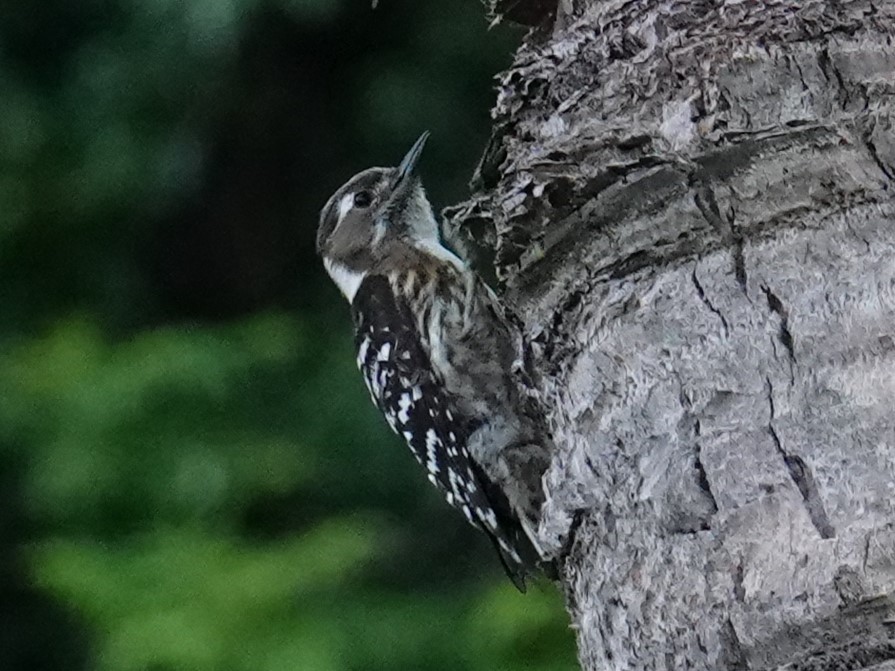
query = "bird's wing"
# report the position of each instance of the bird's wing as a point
(414, 401)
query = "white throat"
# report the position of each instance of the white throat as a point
(347, 280)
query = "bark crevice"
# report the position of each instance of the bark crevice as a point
(777, 307)
(700, 291)
(801, 476)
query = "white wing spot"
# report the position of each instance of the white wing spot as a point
(404, 405)
(385, 352)
(510, 551)
(466, 511)
(370, 375)
(487, 516)
(454, 479)
(433, 442)
(375, 382)
(362, 351)
(382, 375)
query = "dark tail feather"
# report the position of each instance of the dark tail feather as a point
(515, 571)
(524, 558)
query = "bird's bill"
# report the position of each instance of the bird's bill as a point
(408, 163)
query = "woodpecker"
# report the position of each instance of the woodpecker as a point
(438, 355)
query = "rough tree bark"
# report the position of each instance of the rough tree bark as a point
(691, 206)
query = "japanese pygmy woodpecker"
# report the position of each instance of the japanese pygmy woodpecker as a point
(438, 355)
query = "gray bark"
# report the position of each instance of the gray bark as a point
(690, 204)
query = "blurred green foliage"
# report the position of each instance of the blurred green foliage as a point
(191, 474)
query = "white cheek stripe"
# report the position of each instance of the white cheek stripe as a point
(345, 206)
(347, 280)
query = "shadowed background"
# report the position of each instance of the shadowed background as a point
(192, 476)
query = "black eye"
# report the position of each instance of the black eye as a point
(362, 199)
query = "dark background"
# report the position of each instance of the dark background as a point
(191, 474)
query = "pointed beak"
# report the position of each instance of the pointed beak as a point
(408, 163)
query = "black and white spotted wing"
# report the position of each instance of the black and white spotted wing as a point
(403, 385)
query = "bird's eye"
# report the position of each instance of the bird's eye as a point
(362, 199)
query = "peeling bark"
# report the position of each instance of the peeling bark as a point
(691, 206)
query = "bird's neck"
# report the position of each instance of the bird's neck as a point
(422, 256)
(433, 247)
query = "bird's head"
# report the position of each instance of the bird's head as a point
(373, 211)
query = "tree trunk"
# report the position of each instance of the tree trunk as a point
(690, 204)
